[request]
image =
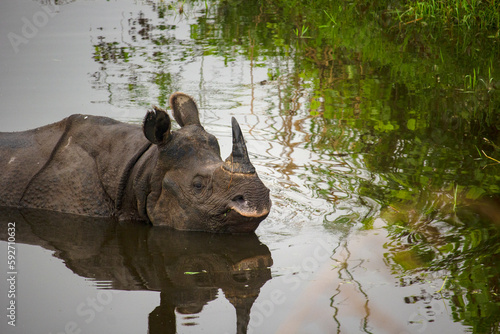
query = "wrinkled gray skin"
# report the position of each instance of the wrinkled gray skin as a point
(96, 166)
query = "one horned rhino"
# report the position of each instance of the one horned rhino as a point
(96, 166)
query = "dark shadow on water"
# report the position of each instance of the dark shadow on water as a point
(188, 268)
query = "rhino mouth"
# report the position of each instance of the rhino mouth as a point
(243, 221)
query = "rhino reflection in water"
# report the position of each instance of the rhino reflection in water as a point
(142, 257)
(99, 167)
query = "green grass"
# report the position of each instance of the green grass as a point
(469, 14)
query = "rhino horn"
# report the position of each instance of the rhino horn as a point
(238, 161)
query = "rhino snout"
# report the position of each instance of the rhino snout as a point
(245, 208)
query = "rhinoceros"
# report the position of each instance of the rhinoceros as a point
(97, 166)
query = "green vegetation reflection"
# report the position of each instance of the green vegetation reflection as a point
(407, 92)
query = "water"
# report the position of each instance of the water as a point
(385, 204)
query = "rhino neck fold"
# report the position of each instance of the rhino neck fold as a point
(126, 175)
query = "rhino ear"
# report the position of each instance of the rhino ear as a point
(156, 126)
(184, 109)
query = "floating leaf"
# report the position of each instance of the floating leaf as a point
(194, 272)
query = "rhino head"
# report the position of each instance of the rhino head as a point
(190, 187)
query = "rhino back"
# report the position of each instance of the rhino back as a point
(73, 166)
(22, 154)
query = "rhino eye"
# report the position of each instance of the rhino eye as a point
(198, 183)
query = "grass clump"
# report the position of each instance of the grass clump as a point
(469, 14)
